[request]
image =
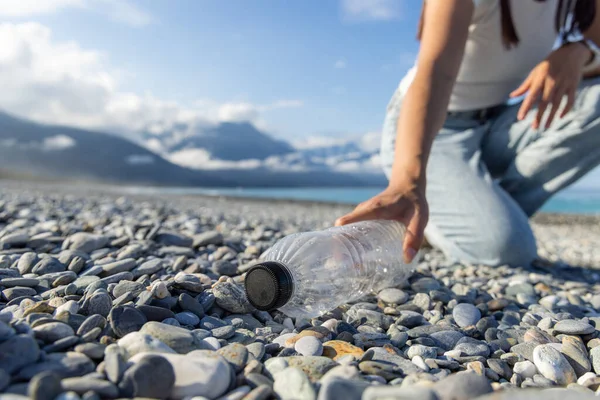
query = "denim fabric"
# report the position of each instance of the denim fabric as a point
(485, 179)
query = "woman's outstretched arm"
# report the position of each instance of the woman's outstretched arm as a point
(423, 113)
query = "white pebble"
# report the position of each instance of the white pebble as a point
(526, 369)
(419, 362)
(159, 290)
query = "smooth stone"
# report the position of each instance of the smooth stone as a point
(179, 339)
(95, 351)
(410, 319)
(137, 342)
(81, 385)
(553, 365)
(187, 318)
(148, 268)
(576, 354)
(574, 327)
(314, 367)
(232, 298)
(124, 287)
(244, 321)
(283, 340)
(153, 376)
(188, 303)
(207, 238)
(99, 303)
(211, 343)
(462, 385)
(200, 373)
(48, 265)
(367, 340)
(154, 313)
(189, 282)
(173, 239)
(309, 346)
(595, 358)
(388, 357)
(66, 365)
(24, 282)
(114, 362)
(257, 349)
(466, 314)
(526, 369)
(447, 339)
(293, 384)
(398, 392)
(422, 351)
(223, 267)
(235, 354)
(44, 386)
(425, 285)
(126, 319)
(336, 349)
(525, 350)
(262, 392)
(18, 291)
(90, 323)
(342, 388)
(85, 242)
(53, 331)
(472, 347)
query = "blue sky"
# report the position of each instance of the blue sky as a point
(311, 67)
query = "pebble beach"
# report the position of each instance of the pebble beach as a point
(105, 295)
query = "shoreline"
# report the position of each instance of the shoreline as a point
(541, 218)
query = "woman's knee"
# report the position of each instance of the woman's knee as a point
(488, 245)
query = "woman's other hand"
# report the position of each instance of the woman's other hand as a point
(405, 203)
(551, 80)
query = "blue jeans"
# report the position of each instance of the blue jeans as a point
(485, 179)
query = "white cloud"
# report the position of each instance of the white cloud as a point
(119, 10)
(370, 10)
(62, 83)
(58, 142)
(201, 159)
(340, 64)
(52, 143)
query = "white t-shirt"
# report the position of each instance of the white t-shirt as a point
(489, 72)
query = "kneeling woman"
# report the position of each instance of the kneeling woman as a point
(465, 168)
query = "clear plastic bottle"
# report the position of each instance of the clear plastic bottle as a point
(308, 274)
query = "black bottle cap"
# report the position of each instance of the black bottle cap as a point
(268, 285)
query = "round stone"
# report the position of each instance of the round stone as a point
(574, 327)
(393, 296)
(53, 331)
(309, 346)
(553, 365)
(126, 319)
(466, 314)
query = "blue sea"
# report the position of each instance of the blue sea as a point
(571, 201)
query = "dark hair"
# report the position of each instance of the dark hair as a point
(582, 12)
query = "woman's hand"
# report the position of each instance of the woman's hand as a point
(405, 203)
(552, 79)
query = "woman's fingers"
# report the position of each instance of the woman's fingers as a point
(532, 97)
(521, 90)
(360, 213)
(548, 92)
(557, 97)
(570, 102)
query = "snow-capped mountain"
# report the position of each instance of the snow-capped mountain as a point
(224, 155)
(243, 146)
